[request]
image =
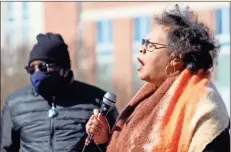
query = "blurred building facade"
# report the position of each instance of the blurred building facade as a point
(104, 37)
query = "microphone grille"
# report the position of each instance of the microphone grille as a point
(109, 98)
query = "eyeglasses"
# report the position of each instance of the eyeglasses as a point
(44, 67)
(151, 46)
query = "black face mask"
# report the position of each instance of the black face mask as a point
(49, 83)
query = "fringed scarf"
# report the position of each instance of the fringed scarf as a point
(183, 115)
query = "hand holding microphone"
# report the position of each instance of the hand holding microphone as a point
(98, 126)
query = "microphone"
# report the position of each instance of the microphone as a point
(109, 100)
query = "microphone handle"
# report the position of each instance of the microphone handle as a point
(88, 139)
(87, 142)
(104, 109)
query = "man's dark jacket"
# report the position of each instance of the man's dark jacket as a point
(26, 127)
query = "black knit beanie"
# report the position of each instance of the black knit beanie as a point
(51, 47)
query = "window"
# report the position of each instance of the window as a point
(25, 20)
(218, 21)
(9, 11)
(223, 69)
(104, 32)
(142, 26)
(10, 21)
(223, 21)
(25, 11)
(104, 55)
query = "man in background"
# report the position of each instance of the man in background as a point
(51, 113)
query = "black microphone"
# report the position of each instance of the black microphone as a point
(109, 100)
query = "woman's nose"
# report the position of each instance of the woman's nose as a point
(142, 49)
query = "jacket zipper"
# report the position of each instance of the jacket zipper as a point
(52, 114)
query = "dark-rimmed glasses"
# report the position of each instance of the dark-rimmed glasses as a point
(44, 67)
(151, 46)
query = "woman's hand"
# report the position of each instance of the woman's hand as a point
(99, 127)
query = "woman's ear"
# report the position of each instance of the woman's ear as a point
(177, 60)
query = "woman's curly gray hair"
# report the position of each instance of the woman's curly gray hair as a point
(190, 38)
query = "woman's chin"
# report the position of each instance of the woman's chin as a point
(142, 76)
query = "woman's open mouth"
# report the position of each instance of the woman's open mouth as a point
(142, 64)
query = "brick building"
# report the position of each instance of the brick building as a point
(104, 37)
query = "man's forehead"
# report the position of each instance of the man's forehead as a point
(39, 62)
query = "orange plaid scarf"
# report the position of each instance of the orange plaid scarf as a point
(183, 115)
